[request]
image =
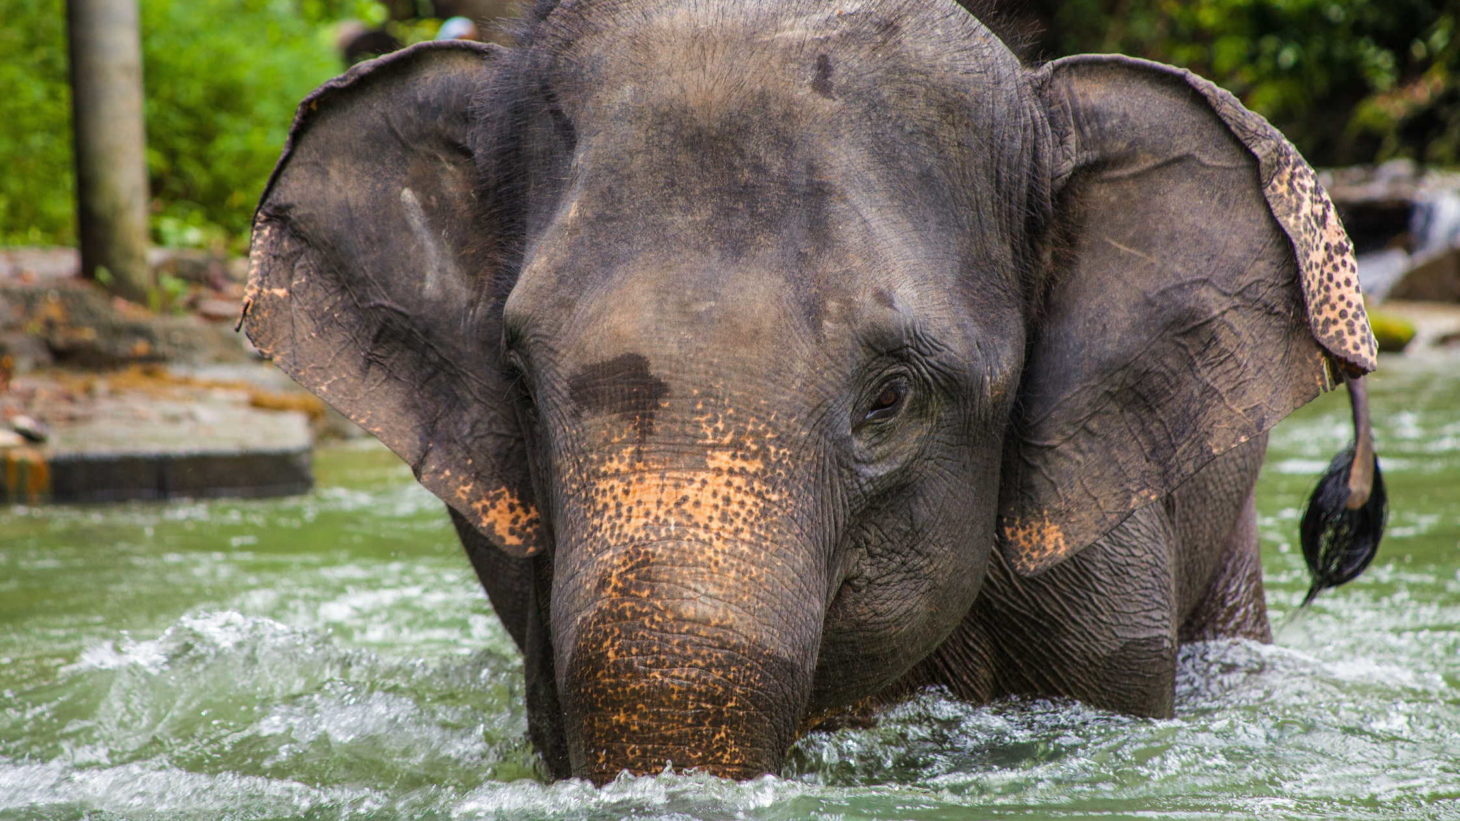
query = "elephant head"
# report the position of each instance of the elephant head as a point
(759, 330)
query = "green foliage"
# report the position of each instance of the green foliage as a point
(168, 296)
(35, 141)
(1349, 81)
(222, 79)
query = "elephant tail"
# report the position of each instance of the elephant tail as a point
(1345, 517)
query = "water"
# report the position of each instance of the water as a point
(332, 657)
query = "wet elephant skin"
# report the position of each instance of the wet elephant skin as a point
(781, 358)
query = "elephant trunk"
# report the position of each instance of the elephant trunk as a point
(652, 684)
(687, 615)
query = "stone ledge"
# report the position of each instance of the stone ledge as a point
(150, 435)
(40, 475)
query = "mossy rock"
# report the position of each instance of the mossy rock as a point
(82, 326)
(1394, 333)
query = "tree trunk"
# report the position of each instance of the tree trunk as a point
(111, 164)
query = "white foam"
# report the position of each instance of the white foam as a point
(218, 630)
(159, 790)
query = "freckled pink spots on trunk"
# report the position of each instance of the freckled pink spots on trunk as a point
(687, 635)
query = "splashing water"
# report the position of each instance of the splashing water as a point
(332, 657)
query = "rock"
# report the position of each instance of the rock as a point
(25, 352)
(1433, 322)
(1379, 270)
(29, 429)
(82, 326)
(191, 265)
(31, 265)
(151, 435)
(1392, 181)
(1435, 278)
(1405, 224)
(218, 310)
(1394, 333)
(36, 264)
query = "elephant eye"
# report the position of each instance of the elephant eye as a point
(888, 401)
(527, 404)
(517, 382)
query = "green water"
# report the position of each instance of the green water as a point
(331, 657)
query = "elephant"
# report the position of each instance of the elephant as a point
(776, 359)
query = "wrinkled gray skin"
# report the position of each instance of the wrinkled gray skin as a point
(781, 357)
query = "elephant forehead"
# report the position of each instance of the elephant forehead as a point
(903, 75)
(623, 341)
(652, 35)
(741, 162)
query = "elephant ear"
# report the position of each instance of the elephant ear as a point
(1202, 289)
(374, 278)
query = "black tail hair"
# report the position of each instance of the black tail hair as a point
(1345, 517)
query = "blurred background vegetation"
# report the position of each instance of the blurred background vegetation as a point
(1350, 81)
(222, 78)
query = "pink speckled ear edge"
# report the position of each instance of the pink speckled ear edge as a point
(1325, 255)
